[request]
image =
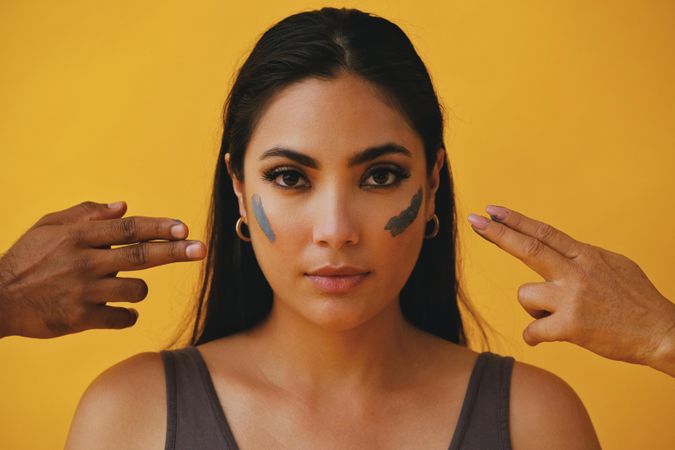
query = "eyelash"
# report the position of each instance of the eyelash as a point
(400, 173)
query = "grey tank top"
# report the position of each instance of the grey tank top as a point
(195, 417)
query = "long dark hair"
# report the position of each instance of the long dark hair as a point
(324, 43)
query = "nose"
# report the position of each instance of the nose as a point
(334, 220)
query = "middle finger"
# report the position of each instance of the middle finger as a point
(145, 255)
(128, 230)
(538, 256)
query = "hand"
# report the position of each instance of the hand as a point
(592, 297)
(57, 278)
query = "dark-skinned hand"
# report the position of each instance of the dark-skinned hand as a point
(58, 276)
(590, 296)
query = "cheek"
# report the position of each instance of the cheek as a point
(396, 256)
(391, 237)
(277, 241)
(400, 222)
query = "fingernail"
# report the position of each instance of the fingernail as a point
(115, 205)
(178, 231)
(479, 222)
(194, 251)
(497, 212)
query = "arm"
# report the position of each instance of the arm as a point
(546, 413)
(124, 407)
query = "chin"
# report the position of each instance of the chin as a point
(337, 314)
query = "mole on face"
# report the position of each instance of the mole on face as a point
(398, 224)
(261, 217)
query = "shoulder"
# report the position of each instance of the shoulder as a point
(545, 412)
(124, 407)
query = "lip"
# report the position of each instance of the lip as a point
(336, 284)
(331, 271)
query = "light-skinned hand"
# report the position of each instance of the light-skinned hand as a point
(590, 296)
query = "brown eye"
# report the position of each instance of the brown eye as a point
(381, 176)
(289, 178)
(385, 177)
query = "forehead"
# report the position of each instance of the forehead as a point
(331, 118)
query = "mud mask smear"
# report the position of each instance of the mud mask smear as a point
(261, 217)
(399, 223)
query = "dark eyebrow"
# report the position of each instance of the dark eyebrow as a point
(363, 156)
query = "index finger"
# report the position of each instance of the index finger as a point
(549, 235)
(129, 230)
(537, 255)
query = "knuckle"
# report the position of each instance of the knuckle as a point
(46, 218)
(591, 254)
(81, 263)
(544, 232)
(128, 227)
(89, 206)
(176, 251)
(500, 231)
(574, 319)
(137, 254)
(76, 235)
(534, 247)
(75, 317)
(78, 291)
(158, 228)
(67, 318)
(57, 318)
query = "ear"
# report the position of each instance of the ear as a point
(238, 188)
(434, 182)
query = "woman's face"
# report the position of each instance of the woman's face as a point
(327, 206)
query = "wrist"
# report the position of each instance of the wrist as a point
(5, 313)
(663, 358)
(4, 316)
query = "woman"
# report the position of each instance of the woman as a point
(330, 320)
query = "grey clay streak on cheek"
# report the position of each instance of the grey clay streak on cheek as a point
(398, 224)
(261, 217)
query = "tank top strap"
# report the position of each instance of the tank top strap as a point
(484, 418)
(195, 418)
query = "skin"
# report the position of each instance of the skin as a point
(58, 276)
(592, 297)
(321, 366)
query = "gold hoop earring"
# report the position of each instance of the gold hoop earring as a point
(237, 228)
(437, 226)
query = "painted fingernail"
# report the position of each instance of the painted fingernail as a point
(497, 212)
(194, 251)
(178, 231)
(479, 222)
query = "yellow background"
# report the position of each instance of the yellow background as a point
(563, 110)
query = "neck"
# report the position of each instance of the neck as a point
(303, 356)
